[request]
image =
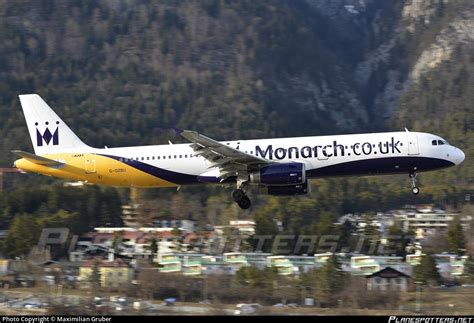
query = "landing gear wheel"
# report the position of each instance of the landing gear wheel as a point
(245, 203)
(414, 189)
(238, 195)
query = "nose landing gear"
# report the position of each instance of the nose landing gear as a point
(414, 189)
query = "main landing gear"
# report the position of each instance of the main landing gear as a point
(414, 189)
(239, 196)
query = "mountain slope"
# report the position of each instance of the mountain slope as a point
(123, 72)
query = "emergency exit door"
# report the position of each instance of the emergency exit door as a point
(90, 164)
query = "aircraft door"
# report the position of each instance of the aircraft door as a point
(90, 165)
(413, 148)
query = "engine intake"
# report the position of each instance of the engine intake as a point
(280, 174)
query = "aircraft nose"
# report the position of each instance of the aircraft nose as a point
(458, 156)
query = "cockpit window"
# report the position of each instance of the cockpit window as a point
(434, 142)
(440, 142)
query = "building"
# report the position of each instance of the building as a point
(388, 279)
(237, 259)
(367, 265)
(182, 225)
(243, 227)
(450, 265)
(302, 264)
(125, 242)
(257, 259)
(322, 258)
(282, 264)
(414, 259)
(191, 264)
(3, 267)
(426, 219)
(423, 219)
(168, 263)
(114, 273)
(130, 215)
(364, 265)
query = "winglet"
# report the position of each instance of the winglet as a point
(406, 130)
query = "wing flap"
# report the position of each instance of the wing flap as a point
(208, 147)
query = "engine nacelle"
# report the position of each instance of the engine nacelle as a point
(299, 189)
(280, 174)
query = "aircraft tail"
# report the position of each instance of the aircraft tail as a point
(49, 134)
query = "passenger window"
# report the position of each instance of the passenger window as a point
(148, 158)
(164, 157)
(180, 156)
(169, 157)
(434, 143)
(158, 157)
(186, 156)
(143, 158)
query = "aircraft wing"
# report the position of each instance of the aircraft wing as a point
(229, 161)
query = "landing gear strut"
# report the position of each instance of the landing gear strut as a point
(239, 196)
(414, 189)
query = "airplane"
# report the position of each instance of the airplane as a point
(275, 166)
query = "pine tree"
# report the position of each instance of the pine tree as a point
(325, 226)
(371, 237)
(345, 233)
(330, 280)
(397, 241)
(427, 272)
(95, 274)
(117, 241)
(455, 237)
(153, 248)
(468, 273)
(22, 235)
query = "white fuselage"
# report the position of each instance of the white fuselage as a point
(355, 154)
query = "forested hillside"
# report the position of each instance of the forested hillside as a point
(124, 72)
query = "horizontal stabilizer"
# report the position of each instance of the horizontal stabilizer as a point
(37, 159)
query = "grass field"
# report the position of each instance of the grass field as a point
(433, 301)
